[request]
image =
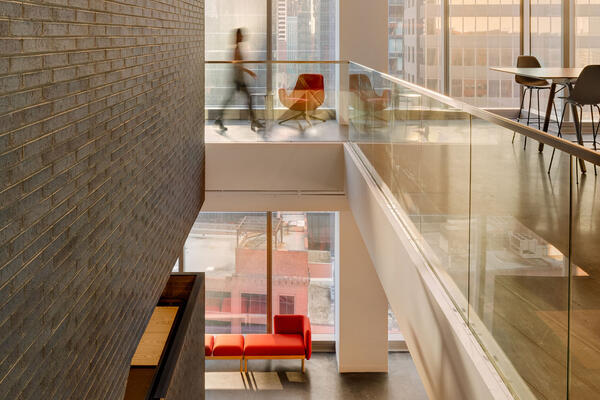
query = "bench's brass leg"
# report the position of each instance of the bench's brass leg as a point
(303, 365)
(241, 365)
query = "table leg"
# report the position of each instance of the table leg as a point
(577, 128)
(548, 112)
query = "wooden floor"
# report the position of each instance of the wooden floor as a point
(497, 229)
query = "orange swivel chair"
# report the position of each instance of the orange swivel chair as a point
(361, 87)
(307, 96)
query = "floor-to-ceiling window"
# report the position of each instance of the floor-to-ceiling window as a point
(304, 30)
(301, 30)
(587, 32)
(222, 19)
(423, 41)
(303, 267)
(415, 41)
(546, 32)
(231, 248)
(483, 34)
(546, 44)
(396, 38)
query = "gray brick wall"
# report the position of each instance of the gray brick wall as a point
(101, 177)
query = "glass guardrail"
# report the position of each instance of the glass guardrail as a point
(514, 245)
(290, 101)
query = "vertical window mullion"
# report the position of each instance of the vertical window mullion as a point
(269, 272)
(445, 87)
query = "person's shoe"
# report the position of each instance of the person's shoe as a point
(256, 125)
(219, 124)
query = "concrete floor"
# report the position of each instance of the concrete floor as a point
(283, 379)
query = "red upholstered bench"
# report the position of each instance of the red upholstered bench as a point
(228, 347)
(209, 344)
(291, 340)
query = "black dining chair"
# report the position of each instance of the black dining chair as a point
(585, 93)
(531, 84)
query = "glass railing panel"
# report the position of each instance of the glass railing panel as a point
(291, 101)
(511, 237)
(370, 117)
(438, 151)
(585, 289)
(419, 148)
(225, 101)
(519, 247)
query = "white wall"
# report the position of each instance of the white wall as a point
(275, 167)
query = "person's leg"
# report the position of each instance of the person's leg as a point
(244, 89)
(255, 124)
(230, 97)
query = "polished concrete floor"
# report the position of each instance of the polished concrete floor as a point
(282, 379)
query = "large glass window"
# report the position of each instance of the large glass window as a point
(546, 44)
(303, 265)
(546, 32)
(222, 18)
(587, 32)
(396, 37)
(230, 248)
(304, 30)
(483, 34)
(415, 41)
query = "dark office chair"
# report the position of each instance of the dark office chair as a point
(585, 93)
(531, 84)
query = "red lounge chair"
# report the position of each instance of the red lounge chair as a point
(307, 96)
(362, 88)
(291, 340)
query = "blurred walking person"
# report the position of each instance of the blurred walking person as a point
(239, 84)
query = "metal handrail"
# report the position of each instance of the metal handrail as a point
(574, 149)
(277, 62)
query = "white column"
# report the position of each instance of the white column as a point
(362, 38)
(360, 306)
(363, 32)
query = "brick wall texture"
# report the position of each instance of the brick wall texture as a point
(101, 178)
